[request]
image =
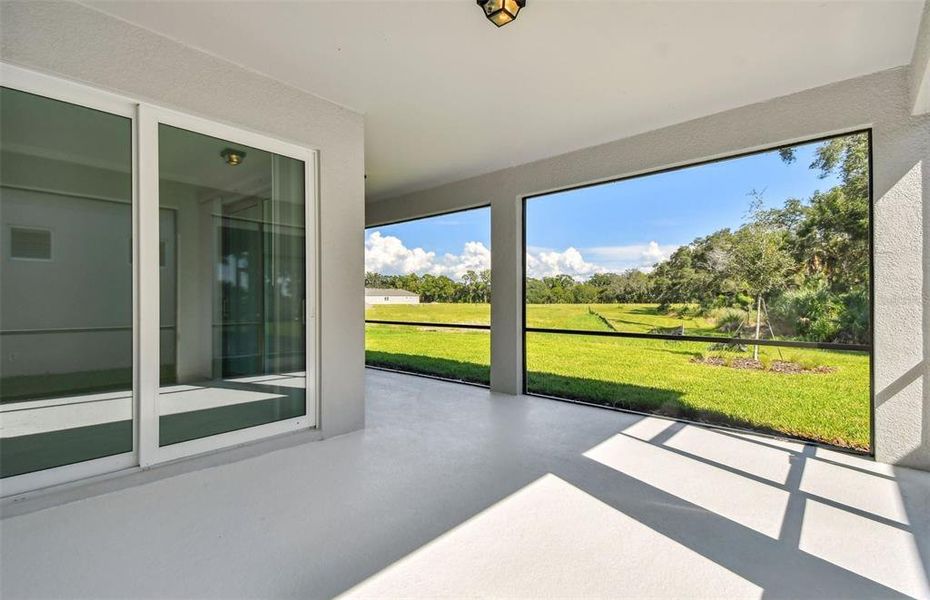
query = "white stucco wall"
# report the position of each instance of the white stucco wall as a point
(105, 294)
(920, 67)
(72, 41)
(901, 161)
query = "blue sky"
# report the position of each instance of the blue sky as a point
(445, 233)
(615, 226)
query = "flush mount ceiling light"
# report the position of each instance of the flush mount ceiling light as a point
(233, 157)
(501, 12)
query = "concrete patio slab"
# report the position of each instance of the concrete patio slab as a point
(453, 491)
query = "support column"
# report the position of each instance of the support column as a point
(507, 295)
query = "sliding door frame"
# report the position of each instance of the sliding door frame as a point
(80, 95)
(150, 452)
(145, 119)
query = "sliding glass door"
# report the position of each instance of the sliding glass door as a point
(66, 285)
(156, 284)
(239, 354)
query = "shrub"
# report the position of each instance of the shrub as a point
(745, 301)
(729, 320)
(854, 318)
(811, 312)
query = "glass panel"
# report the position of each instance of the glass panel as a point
(65, 283)
(232, 286)
(430, 270)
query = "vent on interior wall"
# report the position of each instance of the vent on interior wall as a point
(30, 244)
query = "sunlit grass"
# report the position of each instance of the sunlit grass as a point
(431, 313)
(647, 375)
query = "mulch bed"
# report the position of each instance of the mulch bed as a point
(777, 366)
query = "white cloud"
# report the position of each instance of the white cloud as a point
(388, 255)
(631, 256)
(475, 256)
(543, 263)
(581, 264)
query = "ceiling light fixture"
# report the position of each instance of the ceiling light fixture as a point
(233, 157)
(501, 12)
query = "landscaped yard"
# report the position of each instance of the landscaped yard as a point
(827, 401)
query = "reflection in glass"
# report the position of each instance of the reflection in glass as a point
(232, 286)
(65, 283)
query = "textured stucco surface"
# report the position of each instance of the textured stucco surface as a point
(901, 152)
(78, 43)
(920, 66)
(452, 491)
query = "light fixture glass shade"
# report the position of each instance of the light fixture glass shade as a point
(232, 156)
(500, 18)
(501, 12)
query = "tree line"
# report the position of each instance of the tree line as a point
(475, 286)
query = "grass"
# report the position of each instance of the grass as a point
(432, 313)
(647, 375)
(463, 354)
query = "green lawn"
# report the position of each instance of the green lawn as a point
(431, 313)
(647, 375)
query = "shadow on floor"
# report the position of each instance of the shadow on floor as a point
(530, 446)
(659, 401)
(427, 365)
(453, 490)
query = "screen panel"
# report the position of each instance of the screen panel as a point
(428, 294)
(736, 292)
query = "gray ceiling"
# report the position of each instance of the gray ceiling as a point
(446, 95)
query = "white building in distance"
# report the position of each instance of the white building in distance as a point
(390, 296)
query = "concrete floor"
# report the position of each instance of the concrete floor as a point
(452, 491)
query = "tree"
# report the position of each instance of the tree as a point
(377, 280)
(560, 288)
(760, 263)
(630, 286)
(833, 235)
(434, 288)
(537, 292)
(409, 282)
(603, 280)
(584, 293)
(476, 287)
